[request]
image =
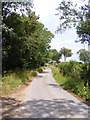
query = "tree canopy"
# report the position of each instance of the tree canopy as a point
(66, 53)
(83, 55)
(71, 15)
(55, 55)
(25, 40)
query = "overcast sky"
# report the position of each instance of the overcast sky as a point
(46, 11)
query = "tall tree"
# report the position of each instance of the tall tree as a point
(66, 53)
(83, 55)
(25, 41)
(55, 55)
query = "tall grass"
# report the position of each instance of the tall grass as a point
(12, 80)
(71, 83)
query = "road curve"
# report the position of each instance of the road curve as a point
(46, 99)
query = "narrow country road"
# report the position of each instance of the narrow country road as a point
(45, 99)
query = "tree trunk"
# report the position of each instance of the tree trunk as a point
(64, 58)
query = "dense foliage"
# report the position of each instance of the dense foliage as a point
(25, 41)
(71, 68)
(55, 55)
(75, 70)
(83, 55)
(69, 81)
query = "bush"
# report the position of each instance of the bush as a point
(71, 83)
(34, 73)
(40, 70)
(71, 68)
(84, 71)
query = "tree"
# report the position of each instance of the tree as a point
(55, 55)
(72, 16)
(12, 30)
(66, 53)
(83, 55)
(25, 41)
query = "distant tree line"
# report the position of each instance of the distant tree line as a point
(56, 56)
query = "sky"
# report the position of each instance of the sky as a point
(46, 9)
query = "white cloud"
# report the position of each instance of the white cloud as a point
(46, 10)
(59, 43)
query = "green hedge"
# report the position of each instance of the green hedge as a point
(74, 69)
(71, 68)
(75, 84)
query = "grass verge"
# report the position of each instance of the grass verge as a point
(70, 83)
(12, 80)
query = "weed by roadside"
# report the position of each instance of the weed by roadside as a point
(13, 80)
(71, 83)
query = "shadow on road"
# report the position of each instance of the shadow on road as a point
(39, 76)
(9, 105)
(54, 85)
(42, 74)
(45, 71)
(43, 109)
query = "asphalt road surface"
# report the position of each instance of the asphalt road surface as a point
(46, 99)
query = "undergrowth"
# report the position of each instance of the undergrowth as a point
(71, 83)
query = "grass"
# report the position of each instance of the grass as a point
(12, 80)
(70, 83)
